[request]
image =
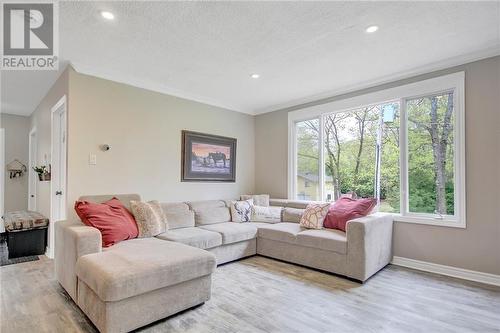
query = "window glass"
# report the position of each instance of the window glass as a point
(307, 185)
(431, 154)
(362, 154)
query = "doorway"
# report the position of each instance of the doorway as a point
(32, 176)
(58, 169)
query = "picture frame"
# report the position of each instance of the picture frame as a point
(207, 158)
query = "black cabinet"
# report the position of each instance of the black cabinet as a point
(26, 242)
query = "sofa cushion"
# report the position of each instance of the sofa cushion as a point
(292, 214)
(258, 199)
(206, 204)
(178, 215)
(278, 202)
(266, 214)
(301, 204)
(212, 216)
(193, 236)
(283, 232)
(325, 239)
(180, 219)
(141, 265)
(210, 212)
(259, 224)
(233, 232)
(124, 198)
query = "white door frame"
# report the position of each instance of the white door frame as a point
(32, 176)
(2, 177)
(58, 161)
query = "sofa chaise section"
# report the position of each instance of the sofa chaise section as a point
(74, 240)
(119, 289)
(134, 282)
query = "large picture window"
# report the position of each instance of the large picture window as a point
(403, 146)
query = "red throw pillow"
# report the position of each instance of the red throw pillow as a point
(346, 209)
(112, 219)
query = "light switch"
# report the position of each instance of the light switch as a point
(92, 159)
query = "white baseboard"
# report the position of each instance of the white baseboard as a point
(49, 252)
(460, 273)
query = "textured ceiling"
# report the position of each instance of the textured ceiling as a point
(206, 51)
(22, 91)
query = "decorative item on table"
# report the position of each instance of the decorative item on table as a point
(43, 172)
(16, 169)
(207, 157)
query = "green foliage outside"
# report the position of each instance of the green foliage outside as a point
(350, 153)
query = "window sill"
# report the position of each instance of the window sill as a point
(430, 221)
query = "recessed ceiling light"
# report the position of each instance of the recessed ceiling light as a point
(255, 76)
(108, 15)
(371, 29)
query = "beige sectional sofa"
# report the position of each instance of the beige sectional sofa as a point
(139, 281)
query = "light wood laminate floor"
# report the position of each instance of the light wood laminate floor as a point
(263, 295)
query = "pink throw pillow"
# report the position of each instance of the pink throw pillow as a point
(113, 220)
(346, 209)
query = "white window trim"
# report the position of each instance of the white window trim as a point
(455, 82)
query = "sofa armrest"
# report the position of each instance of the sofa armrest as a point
(369, 245)
(73, 240)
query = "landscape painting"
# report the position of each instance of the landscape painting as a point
(208, 157)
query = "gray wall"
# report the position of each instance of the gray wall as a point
(16, 147)
(144, 130)
(478, 246)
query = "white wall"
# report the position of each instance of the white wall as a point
(16, 147)
(144, 130)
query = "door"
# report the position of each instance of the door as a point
(32, 176)
(58, 169)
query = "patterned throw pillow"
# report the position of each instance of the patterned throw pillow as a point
(150, 218)
(314, 216)
(241, 211)
(266, 214)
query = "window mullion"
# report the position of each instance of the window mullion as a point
(403, 158)
(321, 158)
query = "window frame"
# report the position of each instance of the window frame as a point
(438, 85)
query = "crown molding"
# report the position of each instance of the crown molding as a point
(296, 103)
(326, 97)
(156, 87)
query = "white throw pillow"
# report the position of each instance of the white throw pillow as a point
(241, 211)
(314, 215)
(258, 199)
(266, 214)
